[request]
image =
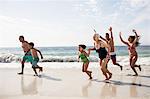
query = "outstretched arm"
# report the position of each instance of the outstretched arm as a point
(90, 49)
(123, 40)
(40, 53)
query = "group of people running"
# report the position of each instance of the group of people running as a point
(106, 51)
(103, 46)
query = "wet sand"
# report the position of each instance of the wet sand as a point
(71, 83)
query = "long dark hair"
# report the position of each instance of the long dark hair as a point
(133, 38)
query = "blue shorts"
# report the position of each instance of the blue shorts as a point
(34, 62)
(27, 57)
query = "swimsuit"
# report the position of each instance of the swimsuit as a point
(113, 55)
(84, 58)
(27, 57)
(102, 52)
(35, 61)
(132, 50)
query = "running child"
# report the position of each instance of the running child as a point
(35, 58)
(83, 55)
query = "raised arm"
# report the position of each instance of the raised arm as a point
(103, 38)
(123, 40)
(110, 29)
(136, 36)
(95, 31)
(40, 53)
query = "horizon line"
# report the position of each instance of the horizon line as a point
(60, 46)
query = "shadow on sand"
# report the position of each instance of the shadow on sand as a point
(49, 77)
(115, 82)
(44, 76)
(140, 76)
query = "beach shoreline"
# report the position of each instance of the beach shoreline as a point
(71, 83)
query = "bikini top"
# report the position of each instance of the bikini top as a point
(131, 47)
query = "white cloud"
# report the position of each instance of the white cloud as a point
(43, 34)
(137, 3)
(122, 15)
(141, 17)
(89, 8)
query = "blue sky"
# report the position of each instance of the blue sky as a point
(70, 22)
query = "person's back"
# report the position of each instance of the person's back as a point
(34, 53)
(35, 58)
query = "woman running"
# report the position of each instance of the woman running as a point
(132, 44)
(100, 48)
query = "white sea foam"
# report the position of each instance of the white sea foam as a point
(124, 60)
(8, 58)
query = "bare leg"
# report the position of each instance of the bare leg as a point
(132, 64)
(84, 69)
(115, 62)
(139, 66)
(40, 68)
(34, 69)
(22, 67)
(106, 63)
(105, 70)
(104, 73)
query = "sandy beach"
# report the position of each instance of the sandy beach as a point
(71, 83)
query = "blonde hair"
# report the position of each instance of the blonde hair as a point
(96, 36)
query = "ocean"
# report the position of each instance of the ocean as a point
(70, 54)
